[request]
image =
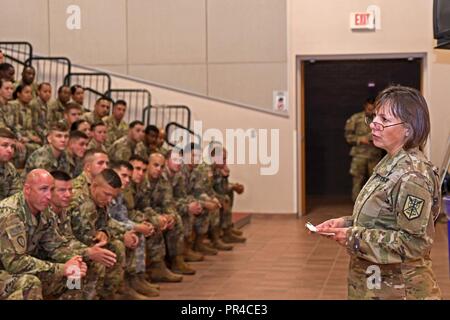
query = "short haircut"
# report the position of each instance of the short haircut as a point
(175, 150)
(120, 102)
(74, 88)
(136, 157)
(5, 66)
(77, 124)
(151, 128)
(97, 124)
(89, 155)
(112, 178)
(8, 134)
(72, 105)
(61, 88)
(135, 123)
(2, 81)
(410, 107)
(103, 98)
(60, 175)
(28, 67)
(121, 164)
(77, 135)
(44, 84)
(58, 126)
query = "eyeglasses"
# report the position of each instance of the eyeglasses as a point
(378, 126)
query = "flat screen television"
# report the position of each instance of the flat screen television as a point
(441, 23)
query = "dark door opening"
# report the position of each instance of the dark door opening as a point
(333, 91)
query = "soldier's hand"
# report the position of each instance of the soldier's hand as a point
(130, 239)
(340, 235)
(211, 206)
(170, 221)
(194, 208)
(75, 267)
(239, 188)
(20, 147)
(36, 139)
(332, 223)
(146, 229)
(162, 222)
(102, 256)
(101, 238)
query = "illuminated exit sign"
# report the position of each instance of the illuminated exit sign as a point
(362, 20)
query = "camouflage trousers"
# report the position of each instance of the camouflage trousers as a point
(226, 220)
(136, 257)
(214, 219)
(155, 247)
(113, 276)
(361, 169)
(174, 238)
(19, 287)
(201, 223)
(367, 280)
(188, 224)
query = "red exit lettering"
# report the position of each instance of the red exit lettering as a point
(361, 19)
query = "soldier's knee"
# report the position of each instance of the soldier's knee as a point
(30, 282)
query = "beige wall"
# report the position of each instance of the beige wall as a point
(200, 46)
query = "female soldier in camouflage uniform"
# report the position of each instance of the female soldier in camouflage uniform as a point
(390, 234)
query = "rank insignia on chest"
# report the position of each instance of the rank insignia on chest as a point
(413, 207)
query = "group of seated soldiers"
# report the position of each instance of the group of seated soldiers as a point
(93, 208)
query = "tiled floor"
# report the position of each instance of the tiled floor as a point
(281, 261)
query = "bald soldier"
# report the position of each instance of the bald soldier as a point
(10, 182)
(131, 144)
(92, 224)
(25, 228)
(53, 155)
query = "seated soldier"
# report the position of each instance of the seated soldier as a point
(7, 72)
(186, 205)
(140, 210)
(56, 107)
(24, 124)
(101, 109)
(98, 136)
(76, 149)
(92, 225)
(135, 271)
(116, 126)
(51, 156)
(72, 113)
(96, 258)
(28, 77)
(94, 162)
(26, 230)
(83, 126)
(225, 192)
(158, 196)
(127, 146)
(77, 96)
(151, 139)
(10, 182)
(39, 107)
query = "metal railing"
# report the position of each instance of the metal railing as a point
(95, 84)
(50, 69)
(161, 115)
(137, 100)
(16, 53)
(178, 135)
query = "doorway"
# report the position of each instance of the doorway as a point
(333, 90)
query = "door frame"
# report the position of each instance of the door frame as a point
(300, 106)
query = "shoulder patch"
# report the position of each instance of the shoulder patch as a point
(413, 207)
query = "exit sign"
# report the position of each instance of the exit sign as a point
(362, 20)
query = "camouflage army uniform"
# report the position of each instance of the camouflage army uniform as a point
(43, 158)
(24, 127)
(34, 87)
(93, 145)
(364, 156)
(80, 185)
(7, 115)
(114, 131)
(55, 111)
(158, 195)
(124, 148)
(91, 117)
(392, 230)
(75, 165)
(181, 198)
(135, 258)
(10, 182)
(86, 220)
(96, 272)
(201, 187)
(19, 287)
(223, 191)
(22, 236)
(40, 110)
